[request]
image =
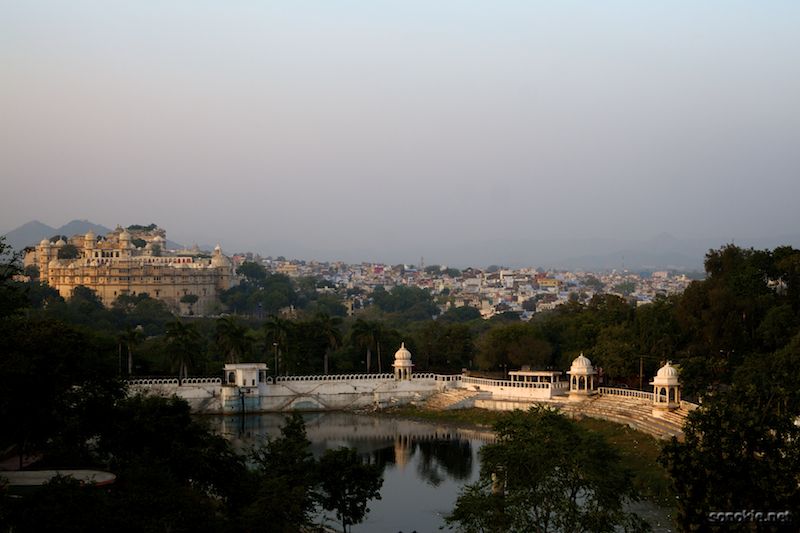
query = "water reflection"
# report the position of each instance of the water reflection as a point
(424, 464)
(444, 459)
(434, 460)
(444, 452)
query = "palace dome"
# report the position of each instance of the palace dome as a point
(581, 365)
(402, 354)
(581, 362)
(402, 363)
(219, 260)
(45, 243)
(667, 375)
(61, 242)
(667, 371)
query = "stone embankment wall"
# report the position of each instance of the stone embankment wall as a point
(347, 392)
(297, 393)
(359, 391)
(204, 395)
(623, 406)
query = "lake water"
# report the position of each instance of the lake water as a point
(424, 464)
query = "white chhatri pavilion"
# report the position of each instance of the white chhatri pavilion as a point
(402, 363)
(666, 389)
(581, 381)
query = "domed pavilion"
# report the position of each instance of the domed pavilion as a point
(581, 381)
(666, 389)
(402, 364)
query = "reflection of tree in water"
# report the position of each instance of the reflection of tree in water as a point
(452, 456)
(438, 459)
(383, 456)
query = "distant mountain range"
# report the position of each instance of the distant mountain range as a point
(31, 233)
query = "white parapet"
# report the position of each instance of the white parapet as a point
(249, 390)
(515, 390)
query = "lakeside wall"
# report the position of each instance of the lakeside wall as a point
(377, 391)
(335, 392)
(297, 393)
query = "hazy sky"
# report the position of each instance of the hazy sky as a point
(384, 128)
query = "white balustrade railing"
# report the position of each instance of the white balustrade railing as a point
(510, 384)
(202, 381)
(173, 381)
(367, 377)
(447, 377)
(626, 393)
(336, 377)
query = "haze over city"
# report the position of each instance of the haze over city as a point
(385, 131)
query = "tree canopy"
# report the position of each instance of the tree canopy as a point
(741, 446)
(544, 473)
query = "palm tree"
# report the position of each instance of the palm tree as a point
(384, 335)
(184, 342)
(380, 333)
(276, 332)
(328, 328)
(131, 338)
(233, 339)
(366, 334)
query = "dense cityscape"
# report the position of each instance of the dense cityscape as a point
(491, 291)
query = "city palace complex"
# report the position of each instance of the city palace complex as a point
(135, 260)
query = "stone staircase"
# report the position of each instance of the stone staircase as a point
(633, 412)
(452, 399)
(677, 417)
(636, 413)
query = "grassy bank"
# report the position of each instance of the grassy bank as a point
(639, 451)
(470, 418)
